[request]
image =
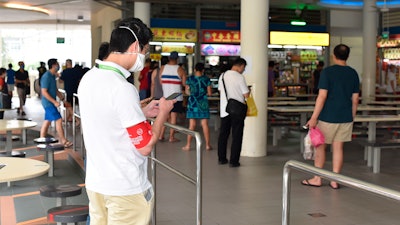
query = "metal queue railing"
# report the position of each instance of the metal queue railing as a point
(197, 181)
(347, 181)
(75, 115)
(64, 110)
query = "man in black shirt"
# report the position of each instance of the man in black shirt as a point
(22, 83)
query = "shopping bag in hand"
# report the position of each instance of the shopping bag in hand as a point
(308, 153)
(251, 106)
(317, 137)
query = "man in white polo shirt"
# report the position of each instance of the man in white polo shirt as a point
(117, 136)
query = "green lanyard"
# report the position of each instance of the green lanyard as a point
(105, 67)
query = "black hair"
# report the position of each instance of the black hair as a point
(51, 62)
(199, 67)
(10, 66)
(103, 50)
(2, 70)
(271, 63)
(164, 60)
(239, 62)
(321, 63)
(122, 38)
(341, 52)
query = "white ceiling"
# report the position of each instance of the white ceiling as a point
(67, 11)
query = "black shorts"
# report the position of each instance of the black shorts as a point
(178, 107)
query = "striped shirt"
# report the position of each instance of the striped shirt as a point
(171, 81)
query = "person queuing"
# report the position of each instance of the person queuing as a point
(117, 136)
(173, 78)
(198, 87)
(236, 88)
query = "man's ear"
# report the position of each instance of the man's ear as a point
(134, 47)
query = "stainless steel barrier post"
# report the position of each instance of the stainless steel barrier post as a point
(347, 181)
(75, 115)
(197, 181)
(64, 110)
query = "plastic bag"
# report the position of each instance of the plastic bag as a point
(316, 136)
(308, 153)
(251, 106)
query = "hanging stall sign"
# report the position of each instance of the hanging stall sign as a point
(179, 48)
(174, 35)
(220, 36)
(220, 50)
(298, 38)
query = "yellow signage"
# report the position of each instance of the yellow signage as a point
(178, 48)
(298, 38)
(174, 35)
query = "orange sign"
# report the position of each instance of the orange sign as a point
(174, 35)
(220, 36)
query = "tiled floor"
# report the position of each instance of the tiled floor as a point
(248, 195)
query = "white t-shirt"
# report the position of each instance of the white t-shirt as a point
(391, 77)
(236, 86)
(108, 105)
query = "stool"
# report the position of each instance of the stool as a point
(49, 156)
(45, 140)
(13, 138)
(13, 154)
(61, 192)
(68, 214)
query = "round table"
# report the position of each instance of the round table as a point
(10, 125)
(15, 169)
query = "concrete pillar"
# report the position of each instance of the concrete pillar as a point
(369, 50)
(142, 11)
(254, 46)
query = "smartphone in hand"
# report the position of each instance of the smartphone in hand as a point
(174, 95)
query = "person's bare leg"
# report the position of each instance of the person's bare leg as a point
(44, 128)
(319, 161)
(60, 131)
(192, 126)
(206, 132)
(337, 159)
(161, 137)
(172, 131)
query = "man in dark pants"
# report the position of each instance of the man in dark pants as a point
(236, 88)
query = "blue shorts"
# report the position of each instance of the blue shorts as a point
(51, 113)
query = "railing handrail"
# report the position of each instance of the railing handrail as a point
(197, 181)
(342, 179)
(64, 110)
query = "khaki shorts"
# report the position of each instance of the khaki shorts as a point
(340, 132)
(120, 210)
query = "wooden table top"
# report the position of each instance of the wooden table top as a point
(21, 168)
(311, 108)
(7, 125)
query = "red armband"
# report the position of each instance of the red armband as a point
(140, 134)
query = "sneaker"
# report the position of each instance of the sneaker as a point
(23, 113)
(18, 111)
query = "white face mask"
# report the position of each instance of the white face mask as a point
(139, 64)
